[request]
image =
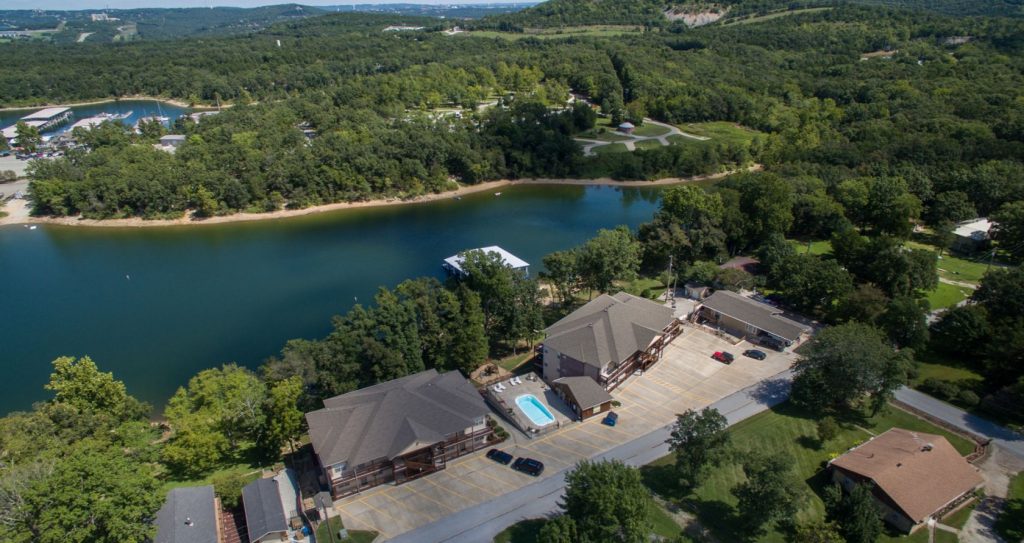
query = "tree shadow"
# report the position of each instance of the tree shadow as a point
(526, 531)
(809, 442)
(722, 519)
(771, 391)
(663, 481)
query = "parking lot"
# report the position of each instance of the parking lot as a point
(686, 378)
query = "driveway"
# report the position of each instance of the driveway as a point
(686, 378)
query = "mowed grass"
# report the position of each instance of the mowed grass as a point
(719, 132)
(822, 247)
(611, 148)
(784, 431)
(957, 267)
(326, 529)
(959, 518)
(946, 295)
(638, 286)
(649, 130)
(648, 144)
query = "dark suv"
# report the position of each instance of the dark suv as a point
(755, 354)
(500, 457)
(528, 466)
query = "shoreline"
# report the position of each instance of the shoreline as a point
(138, 97)
(18, 209)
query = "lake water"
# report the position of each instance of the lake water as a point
(157, 305)
(138, 109)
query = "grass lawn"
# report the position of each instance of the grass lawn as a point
(957, 267)
(244, 463)
(648, 129)
(639, 285)
(512, 362)
(959, 518)
(784, 431)
(611, 148)
(526, 531)
(326, 529)
(822, 247)
(1011, 522)
(942, 370)
(719, 132)
(648, 144)
(946, 295)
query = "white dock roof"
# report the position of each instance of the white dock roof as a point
(11, 132)
(509, 259)
(46, 114)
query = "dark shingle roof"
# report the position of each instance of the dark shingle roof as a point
(609, 329)
(761, 316)
(264, 512)
(387, 419)
(585, 390)
(187, 516)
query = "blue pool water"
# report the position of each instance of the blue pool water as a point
(537, 411)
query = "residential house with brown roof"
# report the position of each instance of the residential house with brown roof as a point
(608, 338)
(915, 476)
(584, 395)
(397, 431)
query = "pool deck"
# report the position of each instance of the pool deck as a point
(539, 389)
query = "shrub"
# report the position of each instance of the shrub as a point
(968, 398)
(229, 488)
(828, 429)
(942, 389)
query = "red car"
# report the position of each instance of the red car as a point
(723, 357)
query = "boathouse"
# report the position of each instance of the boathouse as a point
(453, 264)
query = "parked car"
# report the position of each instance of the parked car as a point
(723, 357)
(5, 153)
(755, 354)
(500, 457)
(773, 343)
(611, 418)
(528, 466)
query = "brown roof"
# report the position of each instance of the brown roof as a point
(761, 316)
(585, 391)
(920, 472)
(609, 329)
(386, 420)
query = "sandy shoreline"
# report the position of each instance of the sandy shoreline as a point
(18, 212)
(172, 101)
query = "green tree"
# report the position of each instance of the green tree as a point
(510, 301)
(817, 531)
(812, 284)
(93, 494)
(699, 441)
(80, 383)
(284, 419)
(855, 513)
(769, 493)
(612, 254)
(27, 136)
(607, 501)
(687, 227)
(906, 322)
(228, 487)
(827, 429)
(864, 304)
(845, 363)
(1009, 228)
(562, 269)
(561, 529)
(961, 329)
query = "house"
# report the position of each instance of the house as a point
(584, 395)
(172, 140)
(608, 339)
(745, 317)
(970, 236)
(915, 476)
(270, 505)
(453, 264)
(627, 127)
(397, 431)
(189, 515)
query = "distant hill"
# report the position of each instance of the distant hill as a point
(452, 11)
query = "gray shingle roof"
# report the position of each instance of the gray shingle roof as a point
(183, 505)
(609, 329)
(761, 316)
(586, 391)
(264, 512)
(387, 419)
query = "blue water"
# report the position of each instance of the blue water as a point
(157, 305)
(138, 109)
(536, 411)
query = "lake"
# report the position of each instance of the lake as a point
(157, 305)
(138, 109)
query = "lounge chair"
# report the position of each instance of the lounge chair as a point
(519, 380)
(515, 381)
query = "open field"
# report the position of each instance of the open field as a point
(719, 132)
(648, 130)
(784, 431)
(823, 247)
(946, 295)
(611, 148)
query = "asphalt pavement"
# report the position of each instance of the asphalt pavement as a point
(481, 523)
(1006, 439)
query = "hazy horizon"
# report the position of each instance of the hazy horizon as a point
(133, 4)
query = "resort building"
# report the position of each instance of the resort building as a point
(915, 476)
(189, 515)
(453, 264)
(608, 339)
(970, 236)
(397, 431)
(584, 396)
(744, 317)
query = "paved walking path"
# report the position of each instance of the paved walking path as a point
(483, 522)
(590, 144)
(1005, 438)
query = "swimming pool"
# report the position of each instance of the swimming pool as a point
(536, 411)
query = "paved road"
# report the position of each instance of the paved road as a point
(1007, 440)
(482, 522)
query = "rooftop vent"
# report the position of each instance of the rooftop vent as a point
(927, 447)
